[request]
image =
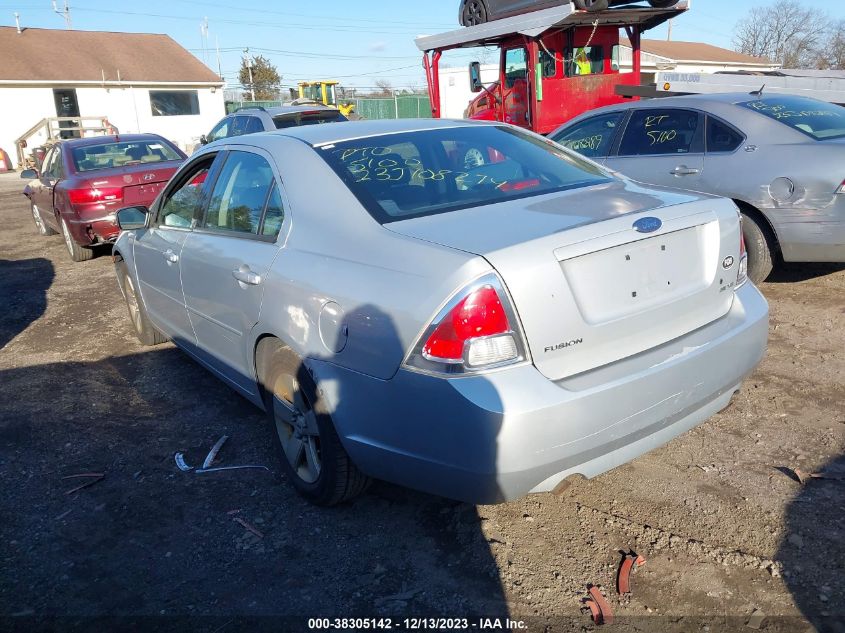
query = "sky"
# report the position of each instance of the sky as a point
(355, 42)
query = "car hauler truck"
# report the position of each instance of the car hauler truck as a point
(554, 63)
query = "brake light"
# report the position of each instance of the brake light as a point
(742, 273)
(475, 331)
(95, 194)
(841, 188)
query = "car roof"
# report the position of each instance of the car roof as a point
(351, 130)
(112, 138)
(285, 109)
(701, 101)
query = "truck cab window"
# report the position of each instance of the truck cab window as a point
(516, 66)
(584, 60)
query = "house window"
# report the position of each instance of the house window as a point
(174, 102)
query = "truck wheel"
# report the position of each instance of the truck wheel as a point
(146, 331)
(42, 226)
(759, 248)
(307, 444)
(473, 13)
(591, 5)
(662, 4)
(77, 253)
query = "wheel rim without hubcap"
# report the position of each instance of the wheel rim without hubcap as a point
(296, 425)
(132, 302)
(36, 215)
(68, 238)
(473, 13)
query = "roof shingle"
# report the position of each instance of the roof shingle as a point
(697, 51)
(63, 55)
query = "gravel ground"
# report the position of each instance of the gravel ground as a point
(732, 542)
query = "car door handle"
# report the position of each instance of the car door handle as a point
(683, 170)
(246, 277)
(171, 257)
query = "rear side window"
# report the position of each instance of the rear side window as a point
(108, 155)
(662, 131)
(428, 172)
(308, 118)
(253, 125)
(721, 137)
(240, 194)
(592, 137)
(816, 119)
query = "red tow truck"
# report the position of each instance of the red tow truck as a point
(554, 63)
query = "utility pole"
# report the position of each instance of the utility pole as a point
(65, 13)
(669, 34)
(204, 39)
(248, 60)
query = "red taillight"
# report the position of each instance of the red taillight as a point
(479, 314)
(741, 242)
(841, 188)
(742, 271)
(95, 194)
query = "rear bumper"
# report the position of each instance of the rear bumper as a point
(812, 235)
(491, 438)
(91, 227)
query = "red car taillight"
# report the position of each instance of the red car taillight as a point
(476, 330)
(742, 273)
(841, 188)
(96, 194)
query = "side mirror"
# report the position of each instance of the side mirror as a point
(130, 218)
(29, 174)
(475, 77)
(204, 139)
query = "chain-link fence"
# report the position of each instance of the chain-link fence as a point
(396, 107)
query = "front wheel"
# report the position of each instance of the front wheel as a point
(40, 224)
(77, 253)
(473, 13)
(144, 329)
(591, 5)
(760, 249)
(308, 446)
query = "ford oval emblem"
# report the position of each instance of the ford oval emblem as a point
(647, 225)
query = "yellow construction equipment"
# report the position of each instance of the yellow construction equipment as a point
(324, 92)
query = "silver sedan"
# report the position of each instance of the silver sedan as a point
(780, 158)
(457, 307)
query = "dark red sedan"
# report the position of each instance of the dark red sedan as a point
(83, 182)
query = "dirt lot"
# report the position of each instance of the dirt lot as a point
(728, 537)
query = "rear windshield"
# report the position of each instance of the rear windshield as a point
(816, 119)
(308, 118)
(413, 174)
(118, 154)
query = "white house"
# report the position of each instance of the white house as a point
(140, 82)
(685, 57)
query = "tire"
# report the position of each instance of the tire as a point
(473, 13)
(591, 5)
(306, 441)
(43, 228)
(77, 253)
(760, 248)
(146, 332)
(662, 4)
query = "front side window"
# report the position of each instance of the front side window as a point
(592, 137)
(548, 62)
(415, 174)
(661, 131)
(118, 154)
(180, 206)
(240, 193)
(816, 119)
(174, 102)
(516, 66)
(721, 137)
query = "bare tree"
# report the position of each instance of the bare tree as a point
(786, 32)
(831, 56)
(385, 87)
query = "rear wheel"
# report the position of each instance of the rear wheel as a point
(662, 4)
(474, 13)
(307, 443)
(146, 331)
(77, 253)
(591, 5)
(760, 248)
(42, 226)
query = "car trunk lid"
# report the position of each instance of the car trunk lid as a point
(138, 184)
(588, 287)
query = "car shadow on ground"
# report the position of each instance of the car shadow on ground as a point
(813, 550)
(23, 286)
(792, 272)
(150, 540)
